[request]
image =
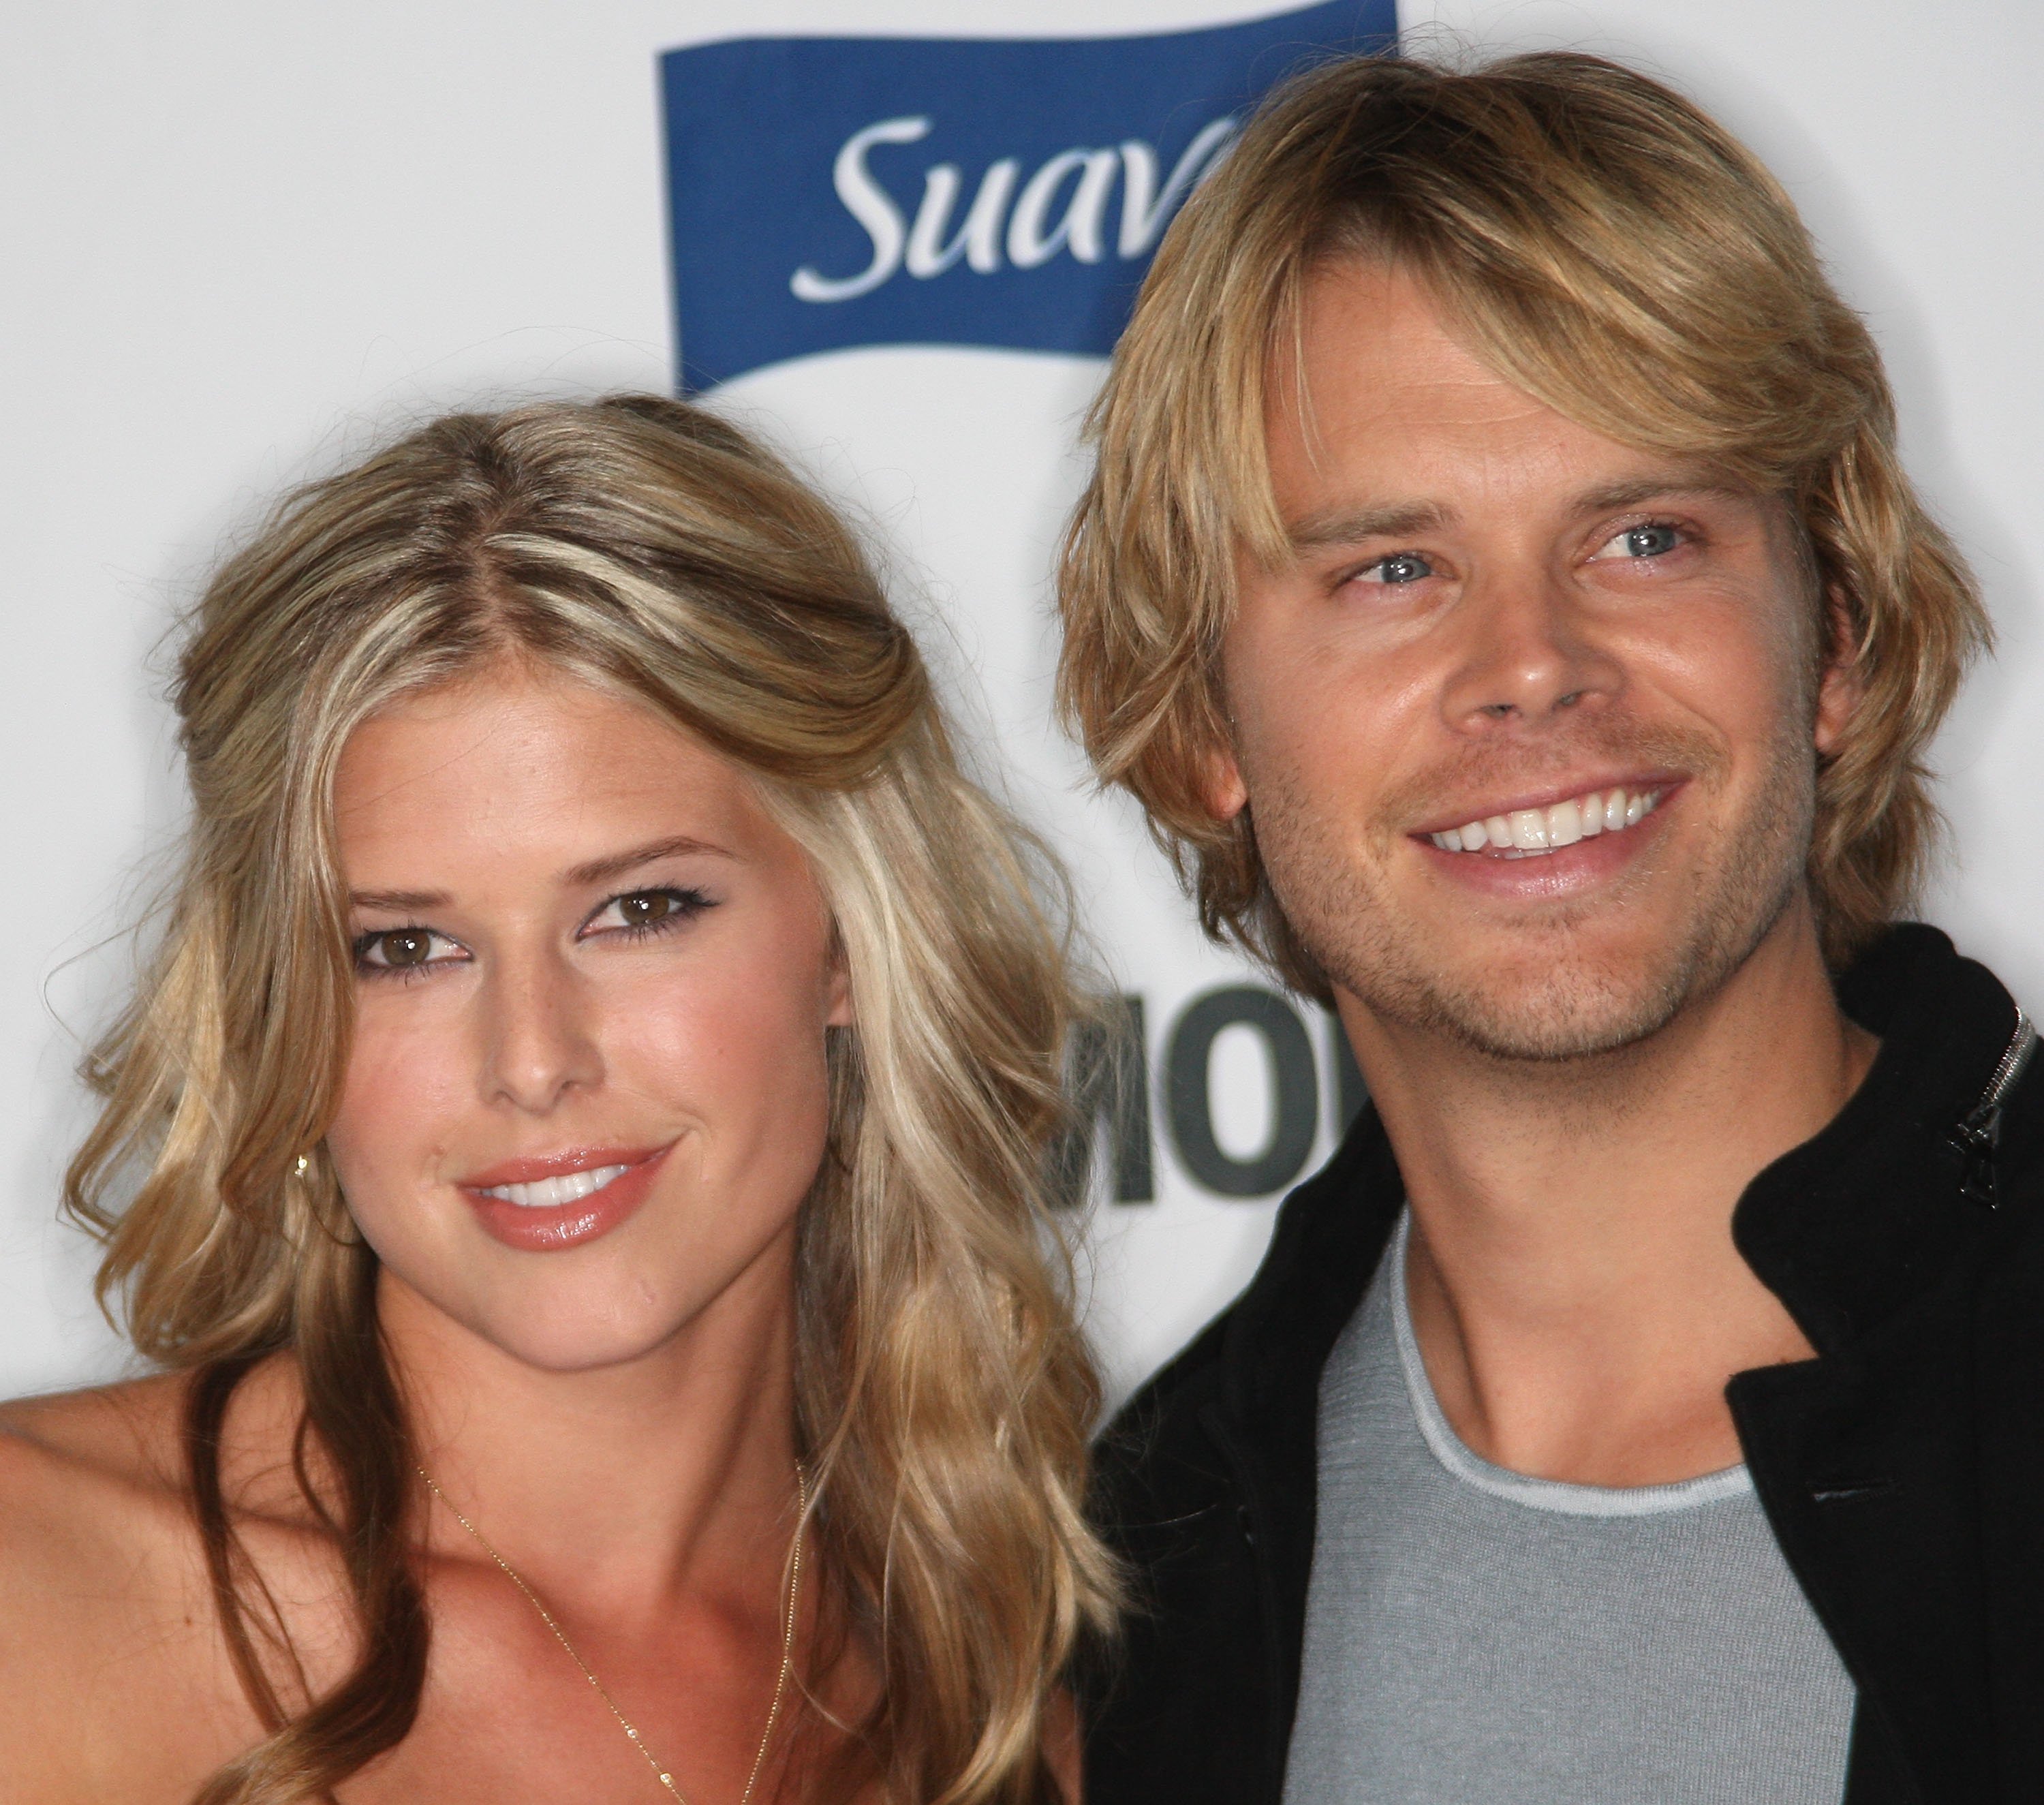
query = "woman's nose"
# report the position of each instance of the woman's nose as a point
(538, 1042)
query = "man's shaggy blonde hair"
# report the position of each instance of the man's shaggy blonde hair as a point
(1612, 251)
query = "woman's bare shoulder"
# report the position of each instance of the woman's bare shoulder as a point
(95, 1496)
(116, 1453)
(95, 1424)
(91, 1507)
(79, 1468)
(102, 1583)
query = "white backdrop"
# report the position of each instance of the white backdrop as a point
(243, 239)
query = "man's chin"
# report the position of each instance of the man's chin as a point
(1552, 1027)
(1569, 1008)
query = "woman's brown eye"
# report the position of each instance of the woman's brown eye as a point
(645, 908)
(405, 947)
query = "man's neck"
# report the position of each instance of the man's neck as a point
(1574, 1287)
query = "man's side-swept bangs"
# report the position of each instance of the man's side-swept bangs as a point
(1606, 247)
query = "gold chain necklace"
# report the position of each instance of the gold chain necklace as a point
(660, 1771)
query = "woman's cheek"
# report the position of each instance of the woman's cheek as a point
(400, 1102)
(728, 1049)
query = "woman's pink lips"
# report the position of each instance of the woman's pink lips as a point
(547, 1228)
(528, 1168)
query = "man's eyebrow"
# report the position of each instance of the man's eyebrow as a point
(1663, 483)
(1331, 527)
(1351, 526)
(616, 864)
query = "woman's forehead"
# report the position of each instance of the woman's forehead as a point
(519, 756)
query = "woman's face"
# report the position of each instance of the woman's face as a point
(587, 1093)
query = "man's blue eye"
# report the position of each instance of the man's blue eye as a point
(1401, 568)
(1649, 541)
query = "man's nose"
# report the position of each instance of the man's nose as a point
(538, 1042)
(1525, 655)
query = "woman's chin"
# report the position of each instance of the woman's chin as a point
(568, 1341)
(563, 1317)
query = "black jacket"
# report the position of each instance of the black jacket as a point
(1902, 1468)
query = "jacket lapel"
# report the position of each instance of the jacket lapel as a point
(1867, 1459)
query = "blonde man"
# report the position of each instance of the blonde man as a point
(1498, 586)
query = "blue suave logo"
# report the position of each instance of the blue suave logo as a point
(829, 192)
(1079, 183)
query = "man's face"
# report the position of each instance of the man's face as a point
(1599, 662)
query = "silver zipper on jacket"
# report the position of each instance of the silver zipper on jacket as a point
(1978, 1137)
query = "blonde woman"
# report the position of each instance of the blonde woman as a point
(577, 1154)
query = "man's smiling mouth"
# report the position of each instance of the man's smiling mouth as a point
(1526, 832)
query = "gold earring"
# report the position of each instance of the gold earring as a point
(303, 1164)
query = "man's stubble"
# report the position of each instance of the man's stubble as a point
(1557, 1002)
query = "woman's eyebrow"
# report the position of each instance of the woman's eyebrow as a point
(616, 864)
(595, 871)
(397, 902)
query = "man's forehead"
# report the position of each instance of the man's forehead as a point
(1383, 401)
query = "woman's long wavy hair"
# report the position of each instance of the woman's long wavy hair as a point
(1605, 246)
(944, 1395)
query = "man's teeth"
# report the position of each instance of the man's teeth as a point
(550, 1194)
(1546, 830)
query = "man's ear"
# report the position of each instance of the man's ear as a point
(1841, 688)
(1220, 785)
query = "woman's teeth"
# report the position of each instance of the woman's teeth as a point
(550, 1194)
(1526, 830)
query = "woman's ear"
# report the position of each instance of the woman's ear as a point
(1840, 686)
(837, 988)
(840, 1014)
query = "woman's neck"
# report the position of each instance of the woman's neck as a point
(627, 1486)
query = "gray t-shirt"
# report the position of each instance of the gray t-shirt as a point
(1474, 1634)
